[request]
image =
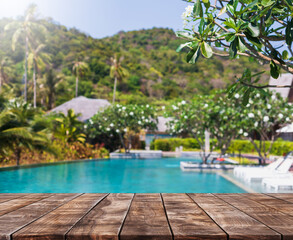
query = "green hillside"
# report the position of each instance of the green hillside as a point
(156, 71)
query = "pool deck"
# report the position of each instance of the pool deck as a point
(145, 216)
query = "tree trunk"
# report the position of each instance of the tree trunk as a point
(76, 86)
(25, 69)
(114, 91)
(35, 86)
(0, 81)
(17, 153)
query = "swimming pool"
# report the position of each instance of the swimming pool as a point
(114, 176)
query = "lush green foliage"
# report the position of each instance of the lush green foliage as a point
(228, 119)
(237, 146)
(123, 121)
(259, 29)
(156, 71)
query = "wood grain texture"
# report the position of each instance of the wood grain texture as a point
(272, 202)
(57, 223)
(104, 221)
(279, 221)
(4, 197)
(234, 222)
(284, 196)
(14, 204)
(146, 219)
(13, 221)
(188, 220)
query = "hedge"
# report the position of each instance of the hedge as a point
(279, 147)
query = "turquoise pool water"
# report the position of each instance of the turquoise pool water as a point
(124, 176)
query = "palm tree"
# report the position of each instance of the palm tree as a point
(5, 63)
(68, 127)
(20, 128)
(37, 59)
(26, 28)
(48, 87)
(117, 72)
(78, 69)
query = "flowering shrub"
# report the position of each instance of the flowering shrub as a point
(261, 117)
(213, 113)
(123, 121)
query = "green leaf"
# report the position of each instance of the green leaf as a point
(193, 55)
(230, 8)
(254, 30)
(230, 37)
(230, 23)
(285, 55)
(218, 44)
(253, 40)
(241, 46)
(197, 9)
(206, 50)
(181, 46)
(275, 70)
(246, 96)
(183, 34)
(289, 32)
(233, 48)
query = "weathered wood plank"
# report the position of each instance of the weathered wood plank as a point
(17, 203)
(146, 219)
(234, 222)
(284, 196)
(9, 196)
(188, 220)
(269, 201)
(13, 221)
(280, 222)
(104, 221)
(57, 223)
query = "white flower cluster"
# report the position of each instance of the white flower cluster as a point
(185, 15)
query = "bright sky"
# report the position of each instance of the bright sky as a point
(101, 18)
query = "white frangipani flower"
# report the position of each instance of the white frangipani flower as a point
(269, 106)
(117, 131)
(108, 129)
(237, 95)
(131, 113)
(111, 125)
(250, 115)
(240, 131)
(183, 102)
(245, 134)
(266, 118)
(280, 115)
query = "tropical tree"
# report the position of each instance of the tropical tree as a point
(260, 29)
(117, 72)
(48, 87)
(5, 68)
(21, 128)
(78, 69)
(221, 118)
(123, 121)
(28, 28)
(191, 119)
(36, 60)
(68, 127)
(260, 120)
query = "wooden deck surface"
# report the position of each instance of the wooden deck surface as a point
(145, 216)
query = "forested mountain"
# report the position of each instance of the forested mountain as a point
(156, 71)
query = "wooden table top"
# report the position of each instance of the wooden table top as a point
(145, 216)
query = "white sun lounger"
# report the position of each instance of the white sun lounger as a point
(242, 170)
(281, 171)
(279, 183)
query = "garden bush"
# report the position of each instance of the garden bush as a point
(279, 148)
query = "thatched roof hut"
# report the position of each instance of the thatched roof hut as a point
(88, 107)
